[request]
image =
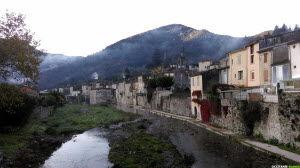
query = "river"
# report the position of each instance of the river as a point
(87, 150)
(91, 148)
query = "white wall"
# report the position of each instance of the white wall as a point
(295, 60)
(203, 66)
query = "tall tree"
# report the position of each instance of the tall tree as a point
(276, 30)
(19, 56)
(296, 27)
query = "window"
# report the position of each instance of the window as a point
(193, 82)
(266, 75)
(240, 75)
(234, 75)
(265, 57)
(198, 81)
(239, 59)
(251, 49)
(274, 74)
(252, 59)
(232, 61)
(294, 66)
(294, 46)
(252, 75)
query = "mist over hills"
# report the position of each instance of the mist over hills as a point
(136, 51)
(51, 61)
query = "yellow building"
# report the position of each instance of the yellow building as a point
(196, 90)
(238, 67)
(253, 64)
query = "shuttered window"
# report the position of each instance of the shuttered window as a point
(266, 73)
(265, 57)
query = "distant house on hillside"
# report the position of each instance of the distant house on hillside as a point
(29, 91)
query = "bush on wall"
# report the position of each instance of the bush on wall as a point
(55, 99)
(251, 113)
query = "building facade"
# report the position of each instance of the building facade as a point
(238, 67)
(253, 65)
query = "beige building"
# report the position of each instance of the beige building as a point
(196, 89)
(253, 64)
(238, 67)
(204, 65)
(265, 70)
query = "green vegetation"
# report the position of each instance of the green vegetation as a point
(15, 106)
(288, 147)
(55, 99)
(144, 150)
(274, 141)
(261, 138)
(251, 113)
(19, 54)
(158, 81)
(66, 120)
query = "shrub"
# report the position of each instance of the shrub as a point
(274, 141)
(15, 106)
(251, 113)
(54, 99)
(158, 81)
(261, 138)
(164, 81)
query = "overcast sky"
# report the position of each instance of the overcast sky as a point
(80, 28)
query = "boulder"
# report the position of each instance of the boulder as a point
(85, 110)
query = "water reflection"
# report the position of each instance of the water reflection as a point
(87, 150)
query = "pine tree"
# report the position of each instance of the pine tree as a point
(296, 27)
(276, 30)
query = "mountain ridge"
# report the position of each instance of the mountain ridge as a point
(136, 51)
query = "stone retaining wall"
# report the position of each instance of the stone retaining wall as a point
(278, 120)
(289, 117)
(41, 112)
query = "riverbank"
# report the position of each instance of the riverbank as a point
(236, 150)
(133, 146)
(32, 144)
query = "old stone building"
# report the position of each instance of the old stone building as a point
(101, 96)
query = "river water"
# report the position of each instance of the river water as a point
(87, 150)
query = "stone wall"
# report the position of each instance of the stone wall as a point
(230, 118)
(278, 120)
(177, 106)
(289, 116)
(41, 112)
(269, 126)
(74, 99)
(162, 101)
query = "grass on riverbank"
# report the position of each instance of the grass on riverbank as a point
(66, 120)
(144, 150)
(287, 147)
